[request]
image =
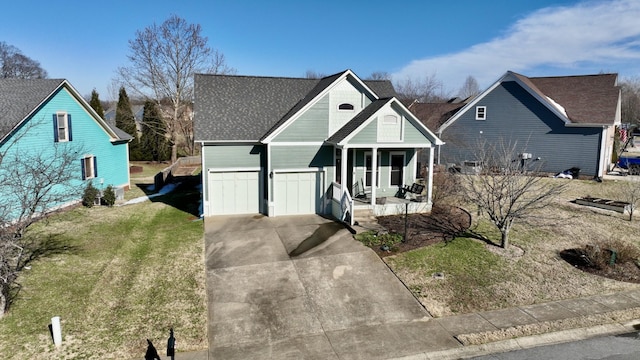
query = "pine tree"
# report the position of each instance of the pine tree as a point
(154, 141)
(126, 122)
(95, 103)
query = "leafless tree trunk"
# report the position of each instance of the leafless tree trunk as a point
(163, 60)
(508, 188)
(31, 183)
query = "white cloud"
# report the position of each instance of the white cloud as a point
(604, 35)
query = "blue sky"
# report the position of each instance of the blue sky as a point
(86, 41)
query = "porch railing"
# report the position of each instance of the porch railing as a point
(341, 205)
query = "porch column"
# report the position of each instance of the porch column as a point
(374, 174)
(430, 176)
(344, 157)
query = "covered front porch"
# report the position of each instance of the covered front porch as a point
(402, 184)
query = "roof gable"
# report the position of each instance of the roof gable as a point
(585, 100)
(21, 98)
(366, 116)
(252, 109)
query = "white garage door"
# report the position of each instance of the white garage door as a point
(234, 192)
(298, 193)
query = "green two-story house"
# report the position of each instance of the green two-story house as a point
(286, 146)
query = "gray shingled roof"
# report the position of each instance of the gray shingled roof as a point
(237, 108)
(587, 99)
(19, 97)
(358, 120)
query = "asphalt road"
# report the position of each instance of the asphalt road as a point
(618, 347)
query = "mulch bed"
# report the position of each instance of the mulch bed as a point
(442, 224)
(627, 271)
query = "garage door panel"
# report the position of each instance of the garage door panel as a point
(234, 192)
(297, 193)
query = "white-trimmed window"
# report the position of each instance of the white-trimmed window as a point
(89, 165)
(481, 113)
(390, 120)
(62, 127)
(346, 107)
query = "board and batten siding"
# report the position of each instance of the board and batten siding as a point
(515, 116)
(36, 136)
(312, 125)
(344, 93)
(230, 157)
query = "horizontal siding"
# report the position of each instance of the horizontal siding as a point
(412, 135)
(514, 116)
(232, 156)
(297, 157)
(385, 189)
(36, 138)
(368, 135)
(312, 125)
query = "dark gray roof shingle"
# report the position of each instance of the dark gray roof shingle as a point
(249, 108)
(19, 97)
(587, 99)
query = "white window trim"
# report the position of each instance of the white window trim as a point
(482, 116)
(404, 160)
(66, 125)
(91, 161)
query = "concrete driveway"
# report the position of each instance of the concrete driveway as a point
(300, 287)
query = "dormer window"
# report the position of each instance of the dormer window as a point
(481, 113)
(345, 107)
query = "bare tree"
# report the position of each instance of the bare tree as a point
(631, 194)
(163, 60)
(630, 90)
(508, 187)
(379, 75)
(426, 90)
(470, 88)
(14, 64)
(32, 183)
(312, 74)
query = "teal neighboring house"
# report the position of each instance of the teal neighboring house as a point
(44, 118)
(287, 146)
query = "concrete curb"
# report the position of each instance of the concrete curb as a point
(527, 342)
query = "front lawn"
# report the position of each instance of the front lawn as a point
(466, 275)
(127, 274)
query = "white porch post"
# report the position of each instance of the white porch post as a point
(344, 155)
(374, 174)
(430, 176)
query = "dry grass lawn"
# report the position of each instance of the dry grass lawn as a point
(477, 279)
(131, 273)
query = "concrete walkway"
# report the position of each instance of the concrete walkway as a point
(302, 288)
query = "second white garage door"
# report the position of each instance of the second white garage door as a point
(234, 192)
(298, 193)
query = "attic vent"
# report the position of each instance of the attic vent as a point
(345, 106)
(481, 112)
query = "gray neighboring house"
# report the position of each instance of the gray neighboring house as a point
(564, 121)
(285, 146)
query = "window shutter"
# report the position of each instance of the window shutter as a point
(69, 127)
(55, 128)
(95, 166)
(84, 175)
